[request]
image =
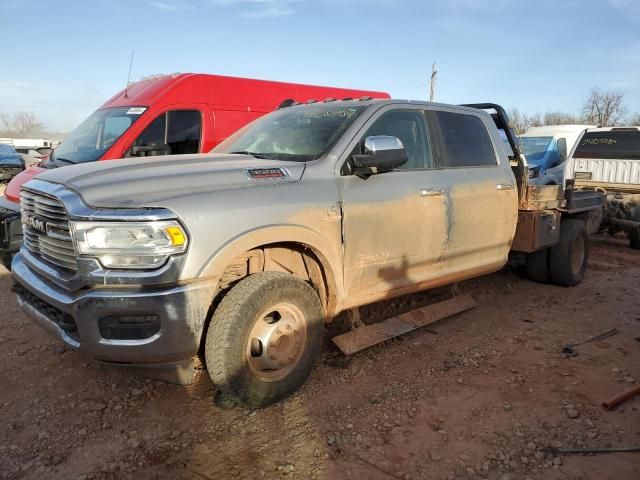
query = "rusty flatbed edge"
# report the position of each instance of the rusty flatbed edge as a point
(364, 337)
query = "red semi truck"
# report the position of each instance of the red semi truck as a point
(163, 115)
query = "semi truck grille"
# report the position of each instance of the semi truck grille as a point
(46, 230)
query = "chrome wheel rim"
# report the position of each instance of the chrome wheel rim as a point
(277, 341)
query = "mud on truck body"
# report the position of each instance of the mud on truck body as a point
(243, 254)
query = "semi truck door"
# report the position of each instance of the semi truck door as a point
(481, 193)
(394, 223)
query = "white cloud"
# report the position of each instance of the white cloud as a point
(170, 5)
(260, 8)
(247, 8)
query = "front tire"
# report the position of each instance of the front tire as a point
(264, 338)
(568, 258)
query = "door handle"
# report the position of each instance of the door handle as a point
(504, 186)
(431, 192)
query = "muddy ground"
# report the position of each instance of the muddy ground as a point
(476, 396)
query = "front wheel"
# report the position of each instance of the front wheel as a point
(568, 258)
(264, 338)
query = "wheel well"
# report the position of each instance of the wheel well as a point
(297, 259)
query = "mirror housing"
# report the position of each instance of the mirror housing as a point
(149, 150)
(561, 143)
(562, 148)
(383, 153)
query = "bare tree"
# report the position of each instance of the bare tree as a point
(634, 119)
(559, 118)
(536, 120)
(5, 119)
(25, 122)
(521, 122)
(517, 121)
(604, 108)
(21, 123)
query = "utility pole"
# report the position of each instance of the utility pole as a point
(432, 90)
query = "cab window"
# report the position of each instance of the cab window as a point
(465, 141)
(410, 127)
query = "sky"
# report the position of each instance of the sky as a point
(63, 59)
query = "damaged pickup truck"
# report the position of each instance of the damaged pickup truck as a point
(244, 253)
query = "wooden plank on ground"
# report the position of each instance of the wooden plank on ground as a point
(364, 337)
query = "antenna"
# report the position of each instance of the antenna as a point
(432, 89)
(126, 90)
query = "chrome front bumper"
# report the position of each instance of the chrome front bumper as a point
(181, 310)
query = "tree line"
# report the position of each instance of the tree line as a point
(601, 108)
(20, 124)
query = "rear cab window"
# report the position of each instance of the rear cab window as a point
(613, 145)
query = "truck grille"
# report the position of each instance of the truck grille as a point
(46, 230)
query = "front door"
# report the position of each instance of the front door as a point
(394, 224)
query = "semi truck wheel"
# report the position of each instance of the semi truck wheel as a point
(537, 265)
(263, 339)
(568, 258)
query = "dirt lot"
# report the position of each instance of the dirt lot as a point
(473, 398)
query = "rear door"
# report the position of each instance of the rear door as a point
(480, 189)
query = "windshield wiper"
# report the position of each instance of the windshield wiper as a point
(253, 154)
(64, 160)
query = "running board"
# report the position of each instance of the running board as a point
(361, 338)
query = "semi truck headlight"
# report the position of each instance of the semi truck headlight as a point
(129, 244)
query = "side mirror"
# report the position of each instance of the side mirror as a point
(149, 150)
(562, 148)
(562, 152)
(383, 153)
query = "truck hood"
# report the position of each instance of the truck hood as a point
(150, 182)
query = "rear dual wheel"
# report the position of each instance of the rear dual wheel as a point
(264, 338)
(565, 262)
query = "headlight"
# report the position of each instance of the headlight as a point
(129, 244)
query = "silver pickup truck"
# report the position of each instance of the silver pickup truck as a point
(244, 253)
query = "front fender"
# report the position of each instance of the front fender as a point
(327, 253)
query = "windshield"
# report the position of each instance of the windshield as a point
(95, 135)
(296, 133)
(535, 148)
(614, 144)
